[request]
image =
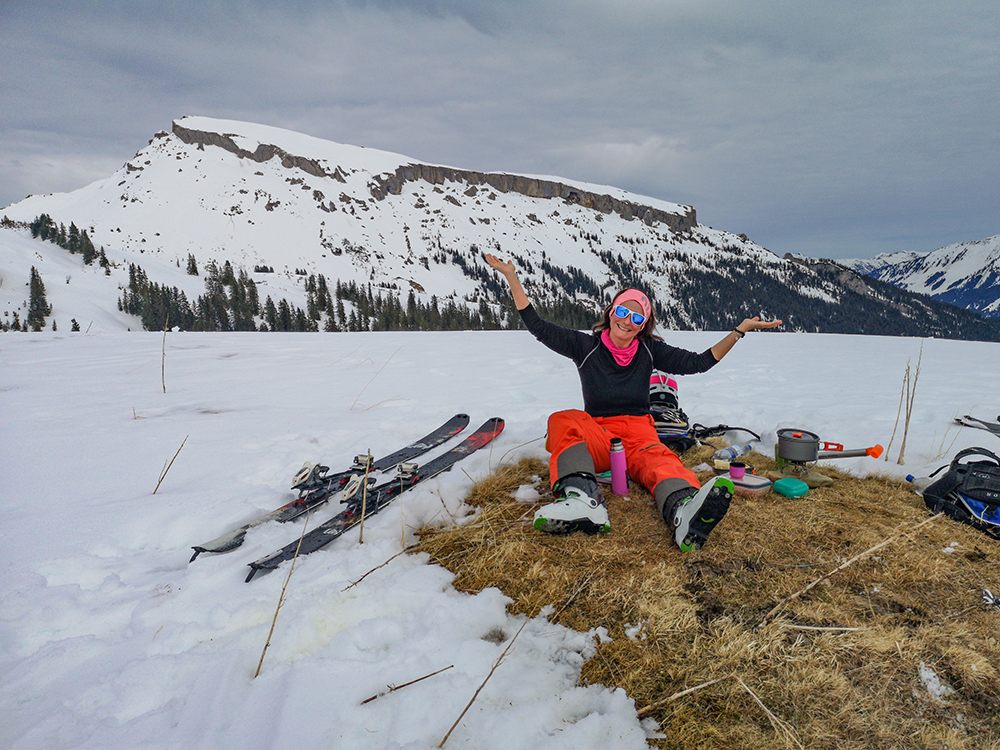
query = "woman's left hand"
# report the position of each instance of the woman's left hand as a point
(754, 323)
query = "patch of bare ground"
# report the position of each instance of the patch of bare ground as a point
(787, 630)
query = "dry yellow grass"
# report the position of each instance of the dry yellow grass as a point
(836, 667)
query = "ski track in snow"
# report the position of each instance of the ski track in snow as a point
(109, 638)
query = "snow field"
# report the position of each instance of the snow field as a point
(110, 638)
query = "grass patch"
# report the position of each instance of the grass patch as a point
(837, 667)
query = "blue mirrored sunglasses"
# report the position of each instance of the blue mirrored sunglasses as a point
(623, 312)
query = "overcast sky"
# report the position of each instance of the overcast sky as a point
(834, 129)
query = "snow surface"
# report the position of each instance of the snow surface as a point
(938, 689)
(110, 638)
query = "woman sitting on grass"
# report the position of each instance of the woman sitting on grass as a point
(615, 363)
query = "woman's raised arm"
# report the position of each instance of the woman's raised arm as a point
(506, 270)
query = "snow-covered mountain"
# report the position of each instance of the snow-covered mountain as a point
(287, 207)
(966, 274)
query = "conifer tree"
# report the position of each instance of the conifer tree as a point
(73, 239)
(284, 316)
(270, 314)
(411, 310)
(87, 248)
(38, 306)
(301, 323)
(312, 303)
(39, 228)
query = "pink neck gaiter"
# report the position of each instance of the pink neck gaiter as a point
(622, 356)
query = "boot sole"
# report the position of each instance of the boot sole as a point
(707, 517)
(559, 526)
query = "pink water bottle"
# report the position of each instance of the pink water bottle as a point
(619, 469)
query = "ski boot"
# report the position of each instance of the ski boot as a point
(580, 507)
(692, 515)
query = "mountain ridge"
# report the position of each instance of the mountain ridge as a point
(393, 183)
(264, 198)
(965, 274)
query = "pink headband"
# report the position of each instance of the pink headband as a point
(634, 295)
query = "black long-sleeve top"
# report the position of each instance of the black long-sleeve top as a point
(609, 389)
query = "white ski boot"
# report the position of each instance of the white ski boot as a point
(581, 508)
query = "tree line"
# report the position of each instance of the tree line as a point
(73, 239)
(715, 290)
(231, 303)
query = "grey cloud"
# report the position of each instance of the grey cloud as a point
(830, 129)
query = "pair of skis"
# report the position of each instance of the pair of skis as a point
(317, 487)
(981, 424)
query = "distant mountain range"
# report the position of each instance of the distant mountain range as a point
(966, 274)
(389, 232)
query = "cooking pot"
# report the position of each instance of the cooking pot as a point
(802, 447)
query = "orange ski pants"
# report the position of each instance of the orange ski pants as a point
(649, 461)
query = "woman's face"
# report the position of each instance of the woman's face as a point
(622, 330)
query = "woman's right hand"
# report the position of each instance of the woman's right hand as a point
(521, 300)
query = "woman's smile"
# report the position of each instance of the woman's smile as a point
(623, 330)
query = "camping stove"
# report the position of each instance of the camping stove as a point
(798, 448)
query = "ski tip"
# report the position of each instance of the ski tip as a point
(197, 551)
(255, 569)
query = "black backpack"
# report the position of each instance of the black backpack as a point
(969, 492)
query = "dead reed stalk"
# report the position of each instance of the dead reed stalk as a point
(163, 358)
(911, 394)
(373, 378)
(394, 688)
(281, 597)
(899, 410)
(377, 567)
(364, 499)
(166, 468)
(646, 711)
(780, 725)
